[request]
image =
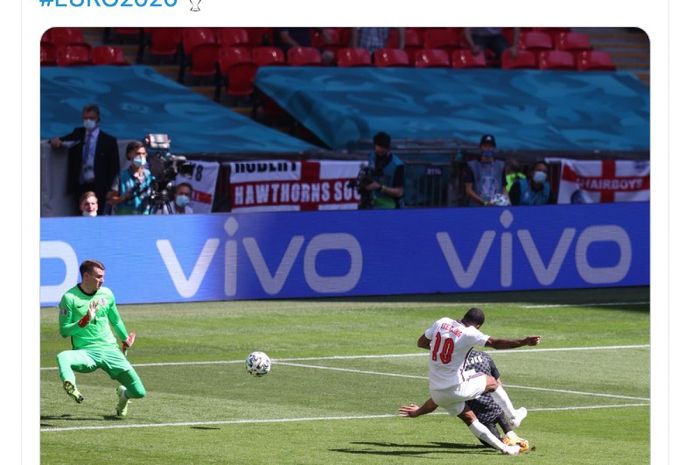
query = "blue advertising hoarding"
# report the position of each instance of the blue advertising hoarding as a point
(175, 258)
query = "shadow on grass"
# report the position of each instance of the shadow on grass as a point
(623, 295)
(413, 450)
(69, 417)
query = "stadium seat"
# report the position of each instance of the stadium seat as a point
(108, 55)
(200, 52)
(431, 58)
(165, 41)
(233, 36)
(391, 57)
(413, 41)
(572, 42)
(594, 60)
(48, 54)
(348, 57)
(556, 60)
(260, 36)
(335, 40)
(303, 56)
(464, 58)
(73, 55)
(268, 56)
(535, 41)
(552, 31)
(65, 36)
(525, 59)
(237, 71)
(445, 38)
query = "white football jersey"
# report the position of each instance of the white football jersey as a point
(450, 342)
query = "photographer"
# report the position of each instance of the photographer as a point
(132, 184)
(383, 182)
(179, 206)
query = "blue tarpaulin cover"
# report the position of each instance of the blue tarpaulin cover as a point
(524, 109)
(137, 100)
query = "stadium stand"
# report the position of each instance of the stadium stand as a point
(108, 55)
(464, 58)
(389, 57)
(431, 58)
(353, 57)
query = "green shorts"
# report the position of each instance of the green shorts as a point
(112, 361)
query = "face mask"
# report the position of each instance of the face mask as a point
(182, 200)
(90, 213)
(539, 177)
(488, 153)
(89, 124)
(139, 162)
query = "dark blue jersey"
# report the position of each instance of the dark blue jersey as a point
(485, 408)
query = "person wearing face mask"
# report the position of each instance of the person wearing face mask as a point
(535, 190)
(180, 206)
(386, 173)
(88, 204)
(132, 185)
(484, 179)
(93, 157)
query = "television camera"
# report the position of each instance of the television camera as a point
(165, 167)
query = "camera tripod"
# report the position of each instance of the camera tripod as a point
(158, 201)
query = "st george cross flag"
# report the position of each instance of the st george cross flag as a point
(203, 182)
(586, 181)
(274, 185)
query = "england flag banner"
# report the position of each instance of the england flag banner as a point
(203, 182)
(604, 181)
(276, 185)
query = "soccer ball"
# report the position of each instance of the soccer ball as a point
(258, 363)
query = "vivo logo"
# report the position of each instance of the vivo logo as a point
(271, 280)
(546, 272)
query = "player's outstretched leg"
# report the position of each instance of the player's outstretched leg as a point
(483, 433)
(70, 360)
(131, 388)
(514, 416)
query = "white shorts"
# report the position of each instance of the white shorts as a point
(452, 399)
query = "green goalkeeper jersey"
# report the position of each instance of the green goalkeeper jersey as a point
(96, 334)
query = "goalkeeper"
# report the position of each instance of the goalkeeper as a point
(484, 407)
(86, 312)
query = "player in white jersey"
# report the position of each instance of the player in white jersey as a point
(451, 385)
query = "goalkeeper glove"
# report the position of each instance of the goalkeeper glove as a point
(89, 316)
(128, 342)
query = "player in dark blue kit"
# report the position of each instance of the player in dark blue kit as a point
(485, 408)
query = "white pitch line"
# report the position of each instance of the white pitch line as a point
(289, 420)
(379, 373)
(604, 304)
(362, 357)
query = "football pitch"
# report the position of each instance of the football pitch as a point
(340, 371)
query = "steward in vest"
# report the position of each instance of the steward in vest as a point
(535, 190)
(386, 171)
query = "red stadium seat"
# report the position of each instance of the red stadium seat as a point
(268, 56)
(48, 54)
(594, 60)
(303, 56)
(260, 36)
(572, 42)
(233, 36)
(535, 41)
(525, 59)
(335, 38)
(238, 71)
(556, 59)
(391, 57)
(65, 36)
(73, 55)
(445, 38)
(108, 55)
(464, 58)
(200, 52)
(552, 31)
(165, 41)
(431, 58)
(348, 57)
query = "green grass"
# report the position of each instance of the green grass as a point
(586, 406)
